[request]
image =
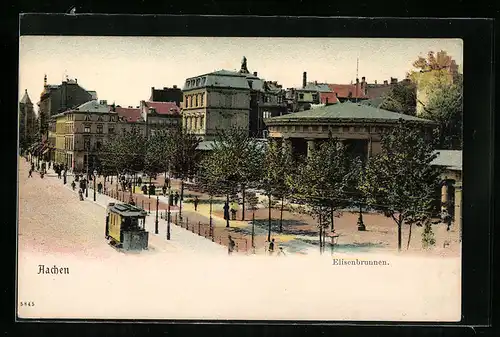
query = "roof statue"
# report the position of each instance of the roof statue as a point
(244, 69)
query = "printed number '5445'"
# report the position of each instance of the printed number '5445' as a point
(27, 304)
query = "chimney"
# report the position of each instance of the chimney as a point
(175, 86)
(315, 82)
(254, 73)
(76, 80)
(375, 81)
(304, 80)
(357, 80)
(385, 82)
(394, 80)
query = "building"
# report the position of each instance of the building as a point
(358, 126)
(56, 99)
(173, 94)
(451, 188)
(27, 121)
(160, 115)
(81, 131)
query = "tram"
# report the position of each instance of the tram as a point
(125, 227)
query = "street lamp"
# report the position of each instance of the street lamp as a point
(211, 221)
(168, 208)
(156, 220)
(95, 175)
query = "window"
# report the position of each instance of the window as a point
(87, 117)
(196, 100)
(111, 129)
(99, 118)
(345, 129)
(201, 99)
(301, 96)
(86, 144)
(197, 82)
(98, 145)
(86, 128)
(99, 128)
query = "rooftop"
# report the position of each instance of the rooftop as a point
(93, 106)
(451, 159)
(346, 111)
(129, 114)
(164, 108)
(26, 98)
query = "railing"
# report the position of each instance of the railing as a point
(242, 245)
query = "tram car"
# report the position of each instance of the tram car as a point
(125, 227)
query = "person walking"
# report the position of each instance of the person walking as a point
(230, 245)
(99, 187)
(30, 173)
(73, 185)
(164, 189)
(271, 247)
(80, 194)
(176, 198)
(226, 210)
(195, 202)
(171, 199)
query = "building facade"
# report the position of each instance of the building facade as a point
(358, 126)
(218, 100)
(224, 99)
(173, 94)
(80, 132)
(160, 115)
(56, 99)
(27, 121)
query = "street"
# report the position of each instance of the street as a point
(194, 278)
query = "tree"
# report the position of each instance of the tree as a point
(185, 158)
(432, 72)
(323, 181)
(400, 181)
(445, 106)
(238, 161)
(124, 153)
(278, 168)
(401, 98)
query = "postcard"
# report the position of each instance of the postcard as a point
(225, 178)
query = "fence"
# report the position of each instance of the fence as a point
(217, 235)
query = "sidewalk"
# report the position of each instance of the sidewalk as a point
(180, 239)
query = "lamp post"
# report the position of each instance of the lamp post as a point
(168, 210)
(253, 231)
(87, 182)
(211, 223)
(156, 220)
(95, 175)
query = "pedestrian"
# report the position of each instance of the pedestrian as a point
(130, 185)
(144, 189)
(32, 166)
(195, 202)
(99, 187)
(271, 247)
(80, 194)
(49, 164)
(73, 185)
(226, 210)
(171, 199)
(139, 181)
(64, 177)
(164, 189)
(234, 209)
(230, 245)
(176, 198)
(30, 172)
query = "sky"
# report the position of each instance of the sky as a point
(123, 69)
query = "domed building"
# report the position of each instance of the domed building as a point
(359, 126)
